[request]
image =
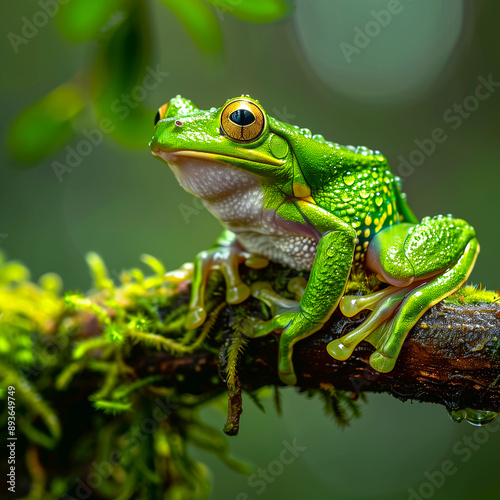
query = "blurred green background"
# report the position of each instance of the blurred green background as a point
(384, 74)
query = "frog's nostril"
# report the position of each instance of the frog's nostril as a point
(178, 123)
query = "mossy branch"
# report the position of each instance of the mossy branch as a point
(104, 363)
(451, 357)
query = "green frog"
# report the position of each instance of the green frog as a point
(285, 195)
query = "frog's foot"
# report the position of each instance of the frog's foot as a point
(376, 327)
(185, 272)
(287, 317)
(424, 264)
(263, 291)
(227, 259)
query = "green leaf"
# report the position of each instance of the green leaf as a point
(46, 125)
(254, 11)
(80, 20)
(122, 79)
(200, 22)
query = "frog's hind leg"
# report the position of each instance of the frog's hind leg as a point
(417, 302)
(383, 303)
(423, 264)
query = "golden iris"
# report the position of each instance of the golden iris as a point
(242, 120)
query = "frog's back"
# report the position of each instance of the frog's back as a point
(358, 187)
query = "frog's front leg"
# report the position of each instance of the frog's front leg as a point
(226, 255)
(423, 264)
(325, 287)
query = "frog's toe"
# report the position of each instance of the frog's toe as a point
(336, 349)
(381, 362)
(263, 328)
(285, 366)
(255, 261)
(180, 275)
(384, 304)
(195, 317)
(263, 291)
(288, 378)
(350, 305)
(238, 293)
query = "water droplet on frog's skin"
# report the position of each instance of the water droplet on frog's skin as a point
(378, 199)
(363, 150)
(480, 417)
(349, 179)
(318, 137)
(213, 110)
(457, 416)
(306, 132)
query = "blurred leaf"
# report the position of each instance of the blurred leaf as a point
(200, 22)
(46, 125)
(254, 11)
(84, 19)
(123, 77)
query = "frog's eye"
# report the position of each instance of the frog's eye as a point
(242, 120)
(160, 114)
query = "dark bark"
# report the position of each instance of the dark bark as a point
(450, 357)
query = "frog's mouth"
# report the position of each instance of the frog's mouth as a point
(250, 157)
(210, 176)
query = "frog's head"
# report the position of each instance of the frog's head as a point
(222, 150)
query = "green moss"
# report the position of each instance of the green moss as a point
(67, 357)
(472, 295)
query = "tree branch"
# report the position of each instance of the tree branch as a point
(124, 351)
(450, 358)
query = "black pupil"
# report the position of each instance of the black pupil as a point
(242, 117)
(157, 117)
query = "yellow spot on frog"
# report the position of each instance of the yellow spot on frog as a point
(389, 209)
(367, 233)
(301, 191)
(368, 220)
(382, 220)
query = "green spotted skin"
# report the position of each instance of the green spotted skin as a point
(353, 183)
(362, 192)
(286, 195)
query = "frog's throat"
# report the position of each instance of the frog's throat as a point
(236, 197)
(209, 177)
(250, 156)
